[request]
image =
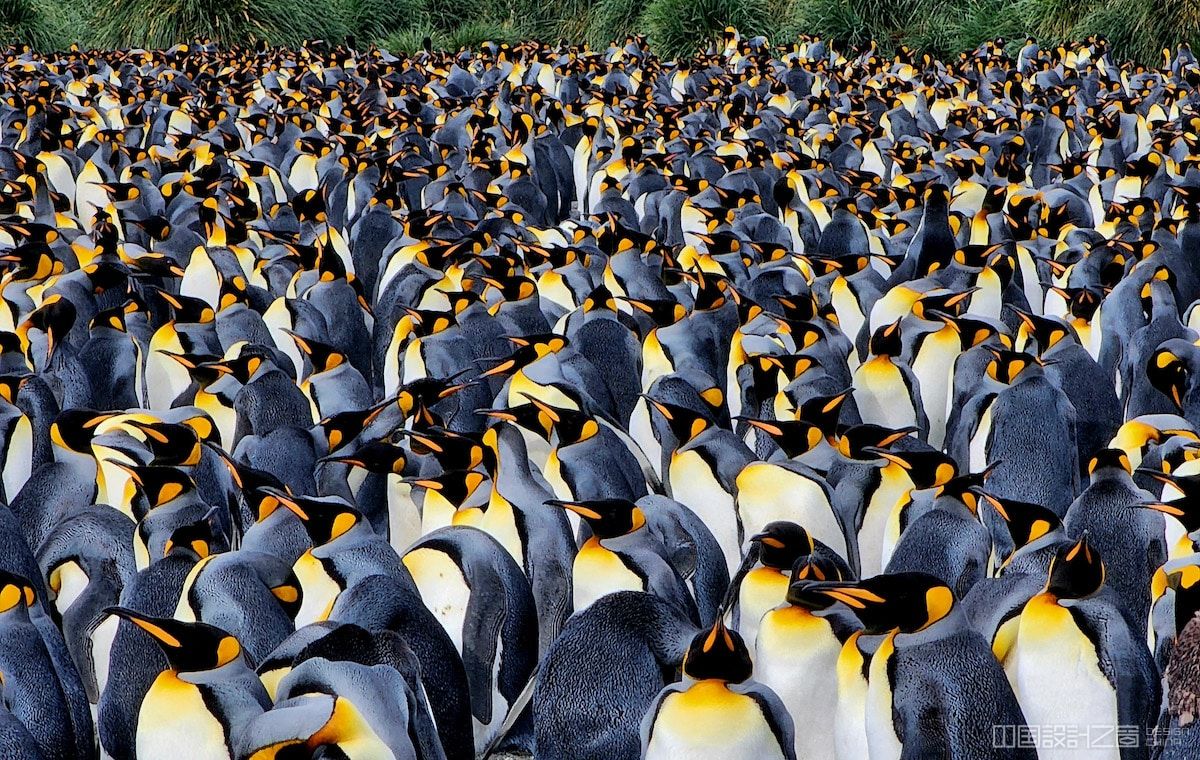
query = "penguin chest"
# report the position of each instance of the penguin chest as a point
(436, 513)
(443, 588)
(934, 367)
(320, 589)
(68, 581)
(694, 485)
(881, 728)
(872, 535)
(850, 715)
(174, 716)
(500, 521)
(404, 519)
(882, 395)
(767, 492)
(763, 589)
(846, 305)
(102, 640)
(796, 656)
(553, 473)
(655, 362)
(710, 721)
(979, 441)
(1054, 671)
(18, 457)
(598, 572)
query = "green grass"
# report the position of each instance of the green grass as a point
(1137, 29)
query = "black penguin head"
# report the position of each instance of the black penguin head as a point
(195, 539)
(382, 457)
(1046, 332)
(1185, 509)
(861, 442)
(1007, 367)
(160, 485)
(686, 424)
(886, 340)
(15, 592)
(782, 543)
(926, 469)
(718, 654)
(529, 349)
(794, 437)
(455, 486)
(570, 425)
(341, 429)
(1169, 374)
(1076, 572)
(189, 647)
(171, 444)
(1026, 521)
(895, 602)
(324, 519)
(608, 518)
(322, 356)
(55, 318)
(1109, 462)
(74, 429)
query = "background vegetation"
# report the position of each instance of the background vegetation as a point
(1138, 29)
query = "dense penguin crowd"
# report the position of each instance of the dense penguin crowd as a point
(777, 403)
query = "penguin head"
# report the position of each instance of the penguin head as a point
(189, 647)
(160, 485)
(529, 349)
(325, 519)
(1008, 367)
(570, 425)
(663, 312)
(74, 429)
(171, 444)
(1026, 522)
(686, 424)
(380, 456)
(895, 602)
(322, 356)
(1109, 462)
(781, 544)
(54, 319)
(794, 437)
(926, 469)
(1076, 572)
(195, 540)
(341, 429)
(1168, 373)
(718, 654)
(416, 398)
(1186, 508)
(852, 443)
(886, 341)
(608, 518)
(1046, 332)
(15, 592)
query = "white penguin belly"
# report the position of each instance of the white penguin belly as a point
(710, 722)
(796, 656)
(978, 447)
(69, 581)
(873, 533)
(694, 486)
(934, 365)
(404, 519)
(102, 640)
(850, 714)
(1056, 676)
(882, 742)
(769, 492)
(175, 719)
(443, 589)
(18, 458)
(320, 591)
